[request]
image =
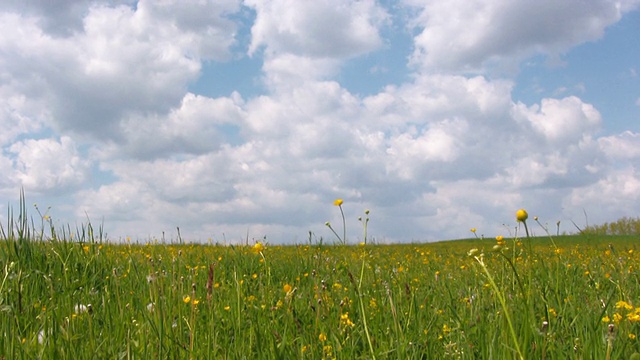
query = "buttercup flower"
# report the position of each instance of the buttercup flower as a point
(338, 202)
(258, 247)
(521, 215)
(287, 288)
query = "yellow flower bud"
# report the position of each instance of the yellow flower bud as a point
(521, 215)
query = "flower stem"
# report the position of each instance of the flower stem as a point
(344, 226)
(503, 303)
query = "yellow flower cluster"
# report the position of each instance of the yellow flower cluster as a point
(188, 299)
(630, 312)
(345, 321)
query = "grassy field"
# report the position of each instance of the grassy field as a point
(66, 296)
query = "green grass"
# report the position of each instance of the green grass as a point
(66, 296)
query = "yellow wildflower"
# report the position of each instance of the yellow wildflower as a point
(328, 350)
(634, 316)
(623, 305)
(616, 318)
(345, 321)
(258, 247)
(287, 288)
(338, 202)
(521, 215)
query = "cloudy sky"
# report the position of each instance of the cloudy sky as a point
(232, 119)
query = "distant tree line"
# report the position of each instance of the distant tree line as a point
(622, 226)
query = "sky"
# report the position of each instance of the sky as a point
(244, 120)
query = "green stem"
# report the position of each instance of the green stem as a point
(503, 303)
(344, 226)
(362, 310)
(526, 229)
(335, 233)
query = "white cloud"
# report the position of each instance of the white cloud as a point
(611, 197)
(567, 119)
(437, 144)
(307, 40)
(49, 165)
(60, 18)
(465, 140)
(316, 29)
(20, 115)
(199, 125)
(8, 182)
(430, 157)
(625, 146)
(123, 205)
(472, 36)
(123, 61)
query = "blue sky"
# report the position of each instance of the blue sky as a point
(606, 68)
(229, 117)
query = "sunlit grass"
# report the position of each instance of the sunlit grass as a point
(564, 297)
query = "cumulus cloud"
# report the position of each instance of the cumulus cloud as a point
(615, 194)
(307, 40)
(625, 146)
(473, 36)
(96, 106)
(20, 115)
(425, 155)
(317, 29)
(122, 61)
(199, 125)
(60, 18)
(561, 120)
(48, 165)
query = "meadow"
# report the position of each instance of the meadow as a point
(71, 294)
